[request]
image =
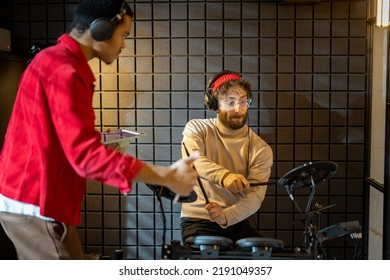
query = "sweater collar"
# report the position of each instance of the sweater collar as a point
(231, 132)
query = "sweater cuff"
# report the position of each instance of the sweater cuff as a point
(224, 177)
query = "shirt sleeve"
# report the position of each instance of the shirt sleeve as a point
(70, 102)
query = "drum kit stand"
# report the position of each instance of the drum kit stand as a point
(216, 247)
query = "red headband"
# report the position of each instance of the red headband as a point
(223, 79)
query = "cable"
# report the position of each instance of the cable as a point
(163, 217)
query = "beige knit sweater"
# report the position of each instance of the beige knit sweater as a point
(224, 150)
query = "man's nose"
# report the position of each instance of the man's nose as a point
(237, 107)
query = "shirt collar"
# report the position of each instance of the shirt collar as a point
(75, 49)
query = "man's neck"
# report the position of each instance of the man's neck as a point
(84, 41)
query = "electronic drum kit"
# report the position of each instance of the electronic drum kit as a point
(217, 247)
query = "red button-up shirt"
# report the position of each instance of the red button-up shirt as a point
(51, 145)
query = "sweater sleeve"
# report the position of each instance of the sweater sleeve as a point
(260, 171)
(194, 139)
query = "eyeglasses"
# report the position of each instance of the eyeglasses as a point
(231, 103)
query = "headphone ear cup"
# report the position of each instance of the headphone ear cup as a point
(250, 95)
(102, 29)
(210, 102)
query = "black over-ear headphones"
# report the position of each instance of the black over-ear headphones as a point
(103, 28)
(210, 101)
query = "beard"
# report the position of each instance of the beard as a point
(234, 121)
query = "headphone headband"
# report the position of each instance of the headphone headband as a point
(118, 17)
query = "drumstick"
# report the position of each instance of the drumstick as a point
(263, 183)
(198, 179)
(176, 199)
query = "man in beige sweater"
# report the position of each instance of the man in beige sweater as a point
(231, 157)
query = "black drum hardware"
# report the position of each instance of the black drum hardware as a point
(309, 175)
(217, 247)
(161, 191)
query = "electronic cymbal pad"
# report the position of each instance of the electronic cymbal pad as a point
(316, 210)
(319, 209)
(307, 174)
(167, 193)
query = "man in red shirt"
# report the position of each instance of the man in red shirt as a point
(51, 145)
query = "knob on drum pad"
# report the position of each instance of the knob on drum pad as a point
(301, 176)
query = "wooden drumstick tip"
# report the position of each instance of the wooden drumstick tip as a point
(176, 199)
